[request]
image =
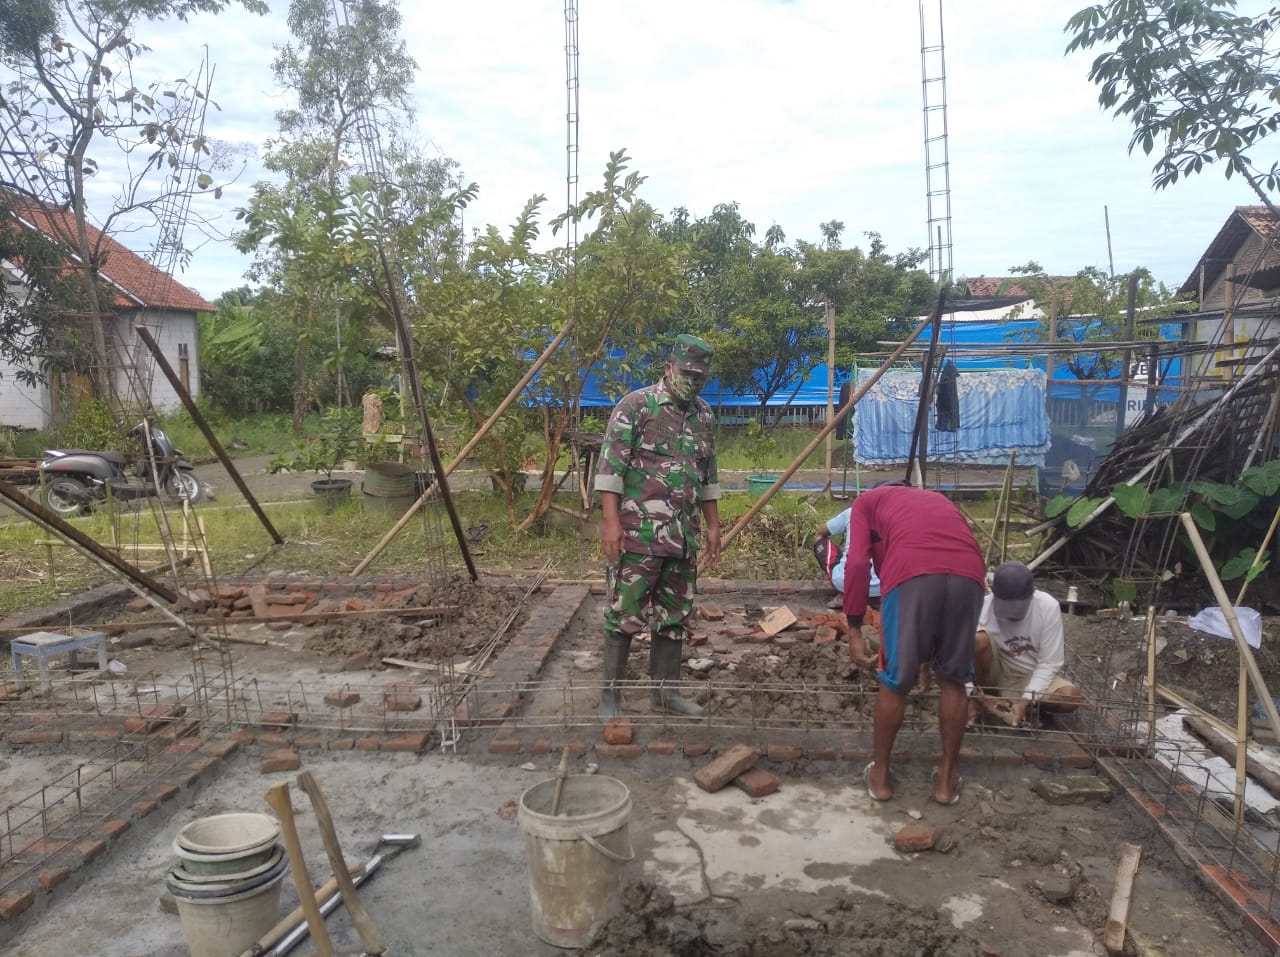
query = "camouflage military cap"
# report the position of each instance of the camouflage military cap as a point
(692, 354)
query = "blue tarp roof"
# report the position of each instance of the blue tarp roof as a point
(813, 392)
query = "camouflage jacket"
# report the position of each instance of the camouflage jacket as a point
(661, 459)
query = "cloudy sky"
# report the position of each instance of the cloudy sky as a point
(800, 111)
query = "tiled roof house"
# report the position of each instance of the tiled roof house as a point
(141, 294)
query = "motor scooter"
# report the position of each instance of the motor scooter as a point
(74, 480)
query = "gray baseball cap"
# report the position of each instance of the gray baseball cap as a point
(1011, 589)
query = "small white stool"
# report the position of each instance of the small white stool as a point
(43, 645)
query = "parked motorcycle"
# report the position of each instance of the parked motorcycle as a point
(74, 480)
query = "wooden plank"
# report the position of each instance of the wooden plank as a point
(1121, 897)
(465, 668)
(778, 620)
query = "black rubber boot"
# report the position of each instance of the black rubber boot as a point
(664, 669)
(616, 649)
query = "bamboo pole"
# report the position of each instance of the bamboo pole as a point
(1229, 612)
(831, 424)
(1157, 459)
(481, 432)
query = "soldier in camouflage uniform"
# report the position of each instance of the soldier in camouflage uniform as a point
(658, 487)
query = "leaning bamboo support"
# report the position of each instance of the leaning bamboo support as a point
(829, 427)
(481, 432)
(1156, 460)
(1229, 612)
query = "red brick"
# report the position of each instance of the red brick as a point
(824, 635)
(287, 600)
(113, 828)
(1005, 757)
(90, 849)
(309, 742)
(177, 730)
(784, 752)
(143, 808)
(11, 905)
(541, 745)
(222, 747)
(355, 604)
(661, 747)
(282, 759)
(913, 838)
(35, 737)
(229, 592)
(99, 732)
(258, 600)
(712, 777)
(369, 742)
(1074, 756)
(413, 743)
(823, 754)
(619, 731)
(244, 737)
(504, 745)
(623, 751)
(402, 702)
(357, 662)
(757, 782)
(277, 719)
(696, 750)
(52, 878)
(1040, 758)
(274, 739)
(342, 744)
(164, 792)
(341, 699)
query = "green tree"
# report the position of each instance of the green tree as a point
(71, 114)
(1199, 82)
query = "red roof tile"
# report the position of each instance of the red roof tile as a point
(990, 286)
(137, 283)
(1223, 248)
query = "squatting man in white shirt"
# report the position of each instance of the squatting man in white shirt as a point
(1019, 651)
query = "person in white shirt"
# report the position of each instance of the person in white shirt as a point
(1019, 650)
(831, 558)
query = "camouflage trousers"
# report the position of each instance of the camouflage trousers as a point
(650, 592)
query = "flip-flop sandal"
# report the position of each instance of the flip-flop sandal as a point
(955, 798)
(866, 779)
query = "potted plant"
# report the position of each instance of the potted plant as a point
(762, 451)
(337, 442)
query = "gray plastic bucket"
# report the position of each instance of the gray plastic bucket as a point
(577, 858)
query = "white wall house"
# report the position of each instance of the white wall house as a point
(142, 295)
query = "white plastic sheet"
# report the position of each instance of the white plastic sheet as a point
(1212, 621)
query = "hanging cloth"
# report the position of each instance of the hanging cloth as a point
(948, 401)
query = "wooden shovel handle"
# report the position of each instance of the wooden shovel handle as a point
(369, 936)
(278, 798)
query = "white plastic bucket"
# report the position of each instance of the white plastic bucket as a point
(227, 926)
(577, 858)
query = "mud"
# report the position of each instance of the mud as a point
(482, 613)
(861, 925)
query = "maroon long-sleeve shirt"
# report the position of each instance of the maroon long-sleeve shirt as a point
(907, 532)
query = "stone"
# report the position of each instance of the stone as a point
(1073, 789)
(727, 766)
(709, 611)
(1058, 890)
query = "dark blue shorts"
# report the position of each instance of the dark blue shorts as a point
(930, 618)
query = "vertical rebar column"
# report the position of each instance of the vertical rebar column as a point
(937, 166)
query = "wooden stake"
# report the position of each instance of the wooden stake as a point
(1121, 897)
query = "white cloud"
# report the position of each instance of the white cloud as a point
(801, 111)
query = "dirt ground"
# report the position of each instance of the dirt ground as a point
(1009, 873)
